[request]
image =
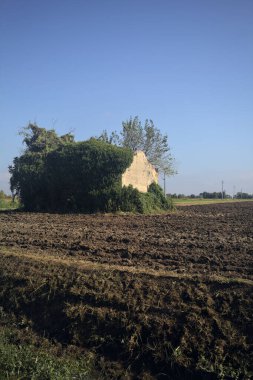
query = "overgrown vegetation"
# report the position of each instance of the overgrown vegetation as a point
(7, 202)
(153, 201)
(25, 355)
(55, 173)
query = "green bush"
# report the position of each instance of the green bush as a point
(153, 201)
(130, 200)
(83, 176)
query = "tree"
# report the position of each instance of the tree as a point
(28, 170)
(149, 139)
(41, 140)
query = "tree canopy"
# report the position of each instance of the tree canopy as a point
(147, 138)
(42, 140)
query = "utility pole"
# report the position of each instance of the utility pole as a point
(222, 183)
(233, 191)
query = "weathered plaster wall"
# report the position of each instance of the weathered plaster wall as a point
(140, 174)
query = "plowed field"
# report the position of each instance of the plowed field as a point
(161, 296)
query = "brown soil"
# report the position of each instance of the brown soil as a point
(164, 296)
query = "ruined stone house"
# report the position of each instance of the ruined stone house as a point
(141, 173)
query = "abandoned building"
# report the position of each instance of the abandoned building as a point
(141, 173)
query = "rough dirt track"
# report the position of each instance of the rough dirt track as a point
(157, 296)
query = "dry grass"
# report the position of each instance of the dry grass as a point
(86, 265)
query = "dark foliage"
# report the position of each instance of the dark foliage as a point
(154, 200)
(58, 174)
(63, 175)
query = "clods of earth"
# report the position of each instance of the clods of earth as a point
(153, 297)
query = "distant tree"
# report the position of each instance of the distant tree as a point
(172, 195)
(214, 195)
(2, 194)
(113, 139)
(149, 139)
(241, 195)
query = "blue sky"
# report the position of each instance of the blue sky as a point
(87, 65)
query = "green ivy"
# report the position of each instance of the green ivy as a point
(79, 176)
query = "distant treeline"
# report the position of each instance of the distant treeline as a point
(214, 195)
(55, 173)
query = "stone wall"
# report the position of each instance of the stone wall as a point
(140, 174)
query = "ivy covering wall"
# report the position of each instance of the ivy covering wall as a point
(55, 173)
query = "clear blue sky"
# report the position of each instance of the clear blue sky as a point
(87, 65)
